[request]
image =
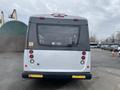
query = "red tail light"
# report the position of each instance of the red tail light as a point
(83, 57)
(31, 56)
(31, 51)
(83, 53)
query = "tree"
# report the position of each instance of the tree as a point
(118, 37)
(93, 38)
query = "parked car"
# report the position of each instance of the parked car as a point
(114, 47)
(110, 47)
(104, 47)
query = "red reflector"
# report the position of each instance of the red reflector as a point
(88, 66)
(83, 53)
(83, 57)
(31, 51)
(25, 65)
(41, 18)
(31, 56)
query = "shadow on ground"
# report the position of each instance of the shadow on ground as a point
(50, 84)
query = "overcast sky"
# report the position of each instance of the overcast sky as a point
(103, 15)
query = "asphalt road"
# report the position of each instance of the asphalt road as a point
(105, 69)
(103, 58)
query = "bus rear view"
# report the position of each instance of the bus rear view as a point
(57, 46)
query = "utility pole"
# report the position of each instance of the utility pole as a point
(1, 18)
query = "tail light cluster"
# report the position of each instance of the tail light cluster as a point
(83, 57)
(31, 56)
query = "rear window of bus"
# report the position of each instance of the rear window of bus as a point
(58, 35)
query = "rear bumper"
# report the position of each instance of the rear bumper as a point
(57, 75)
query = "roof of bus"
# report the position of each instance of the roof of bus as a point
(58, 16)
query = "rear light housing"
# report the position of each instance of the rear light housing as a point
(83, 57)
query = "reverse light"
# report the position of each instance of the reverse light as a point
(32, 61)
(82, 62)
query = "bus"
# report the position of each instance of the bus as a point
(57, 46)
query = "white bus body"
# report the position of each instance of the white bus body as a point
(57, 46)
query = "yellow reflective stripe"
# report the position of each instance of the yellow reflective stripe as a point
(35, 76)
(78, 76)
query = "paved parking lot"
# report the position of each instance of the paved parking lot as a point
(105, 69)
